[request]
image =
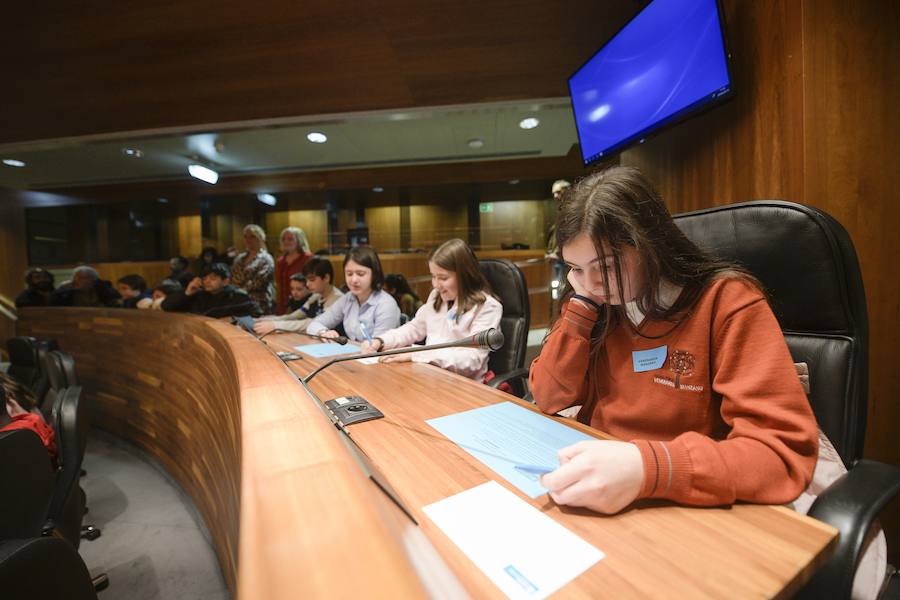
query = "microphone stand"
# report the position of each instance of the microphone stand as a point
(492, 341)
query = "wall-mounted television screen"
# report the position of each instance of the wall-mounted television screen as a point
(668, 62)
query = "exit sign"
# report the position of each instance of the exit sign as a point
(486, 207)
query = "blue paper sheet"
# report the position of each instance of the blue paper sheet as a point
(326, 350)
(504, 435)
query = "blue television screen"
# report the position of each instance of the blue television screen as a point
(668, 61)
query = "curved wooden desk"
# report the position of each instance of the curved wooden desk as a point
(260, 459)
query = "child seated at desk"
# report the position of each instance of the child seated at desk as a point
(319, 275)
(673, 351)
(18, 411)
(367, 310)
(459, 306)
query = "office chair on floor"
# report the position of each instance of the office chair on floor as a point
(808, 266)
(508, 285)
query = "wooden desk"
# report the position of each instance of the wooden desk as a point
(653, 550)
(289, 507)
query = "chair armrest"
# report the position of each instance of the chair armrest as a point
(850, 504)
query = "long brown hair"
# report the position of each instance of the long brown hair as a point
(21, 394)
(472, 288)
(620, 206)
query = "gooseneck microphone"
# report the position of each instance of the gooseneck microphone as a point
(492, 339)
(341, 339)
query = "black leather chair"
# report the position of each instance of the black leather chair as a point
(27, 476)
(43, 569)
(508, 285)
(808, 265)
(67, 504)
(24, 363)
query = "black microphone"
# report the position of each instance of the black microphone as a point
(341, 339)
(492, 339)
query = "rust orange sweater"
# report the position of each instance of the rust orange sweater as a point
(724, 419)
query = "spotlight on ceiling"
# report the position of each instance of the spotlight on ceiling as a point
(162, 200)
(513, 182)
(377, 189)
(12, 162)
(133, 152)
(317, 137)
(475, 143)
(529, 123)
(267, 199)
(203, 173)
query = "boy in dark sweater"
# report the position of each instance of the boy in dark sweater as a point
(213, 296)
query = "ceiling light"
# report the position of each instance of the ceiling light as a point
(317, 137)
(377, 189)
(132, 152)
(267, 199)
(203, 174)
(529, 123)
(12, 162)
(513, 182)
(162, 200)
(476, 143)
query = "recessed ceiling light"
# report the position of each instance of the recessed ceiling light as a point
(162, 200)
(12, 162)
(203, 173)
(513, 182)
(317, 137)
(476, 143)
(529, 123)
(377, 189)
(267, 199)
(132, 152)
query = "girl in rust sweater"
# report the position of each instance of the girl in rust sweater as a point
(673, 351)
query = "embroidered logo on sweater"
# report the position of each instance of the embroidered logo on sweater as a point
(681, 363)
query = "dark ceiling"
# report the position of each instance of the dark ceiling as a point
(82, 68)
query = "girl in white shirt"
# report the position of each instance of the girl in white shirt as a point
(460, 305)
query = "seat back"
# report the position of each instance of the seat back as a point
(27, 479)
(508, 286)
(809, 268)
(43, 568)
(24, 363)
(71, 439)
(55, 375)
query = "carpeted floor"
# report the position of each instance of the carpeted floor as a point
(153, 544)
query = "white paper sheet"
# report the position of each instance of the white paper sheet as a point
(523, 551)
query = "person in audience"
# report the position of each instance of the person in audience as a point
(300, 293)
(675, 353)
(396, 285)
(319, 276)
(180, 272)
(367, 310)
(85, 289)
(208, 256)
(213, 296)
(133, 290)
(38, 288)
(18, 410)
(253, 269)
(459, 306)
(295, 253)
(557, 189)
(163, 289)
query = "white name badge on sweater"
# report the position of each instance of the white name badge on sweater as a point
(648, 360)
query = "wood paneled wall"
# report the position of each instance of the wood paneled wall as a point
(815, 121)
(384, 227)
(13, 258)
(430, 225)
(516, 221)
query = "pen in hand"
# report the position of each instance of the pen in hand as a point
(365, 331)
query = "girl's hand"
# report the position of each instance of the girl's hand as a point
(581, 291)
(396, 358)
(604, 476)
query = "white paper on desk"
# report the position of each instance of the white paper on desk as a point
(523, 551)
(369, 361)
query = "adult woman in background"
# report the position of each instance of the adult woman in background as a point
(295, 253)
(459, 306)
(254, 268)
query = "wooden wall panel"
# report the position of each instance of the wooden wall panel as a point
(433, 224)
(814, 121)
(516, 221)
(190, 239)
(13, 259)
(384, 227)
